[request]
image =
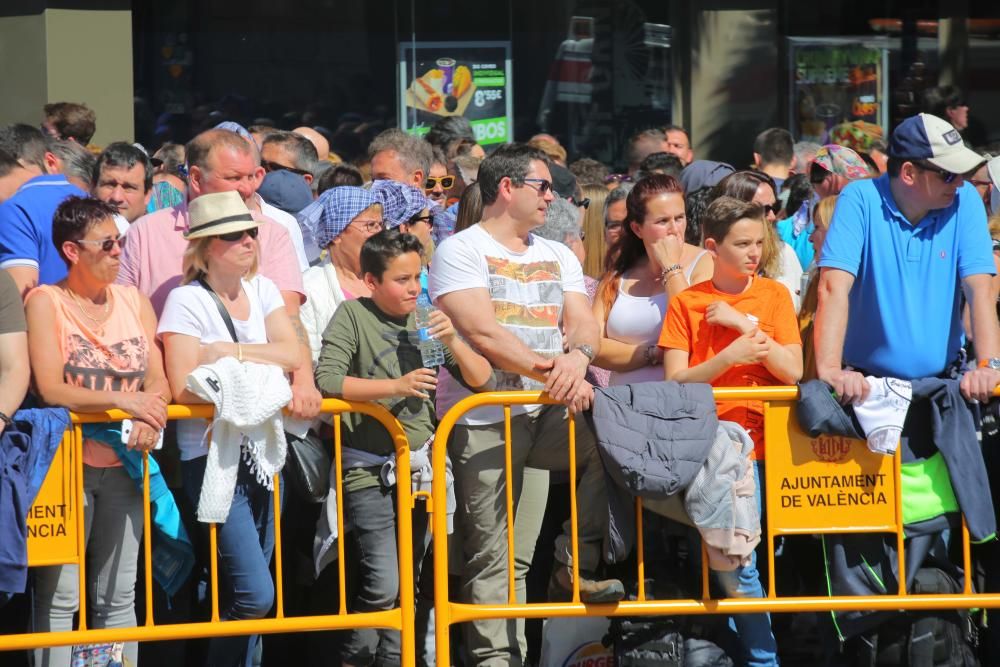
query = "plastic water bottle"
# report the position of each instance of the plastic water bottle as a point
(431, 349)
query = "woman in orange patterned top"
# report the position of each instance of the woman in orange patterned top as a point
(92, 348)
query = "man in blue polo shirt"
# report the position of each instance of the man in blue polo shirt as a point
(900, 250)
(26, 249)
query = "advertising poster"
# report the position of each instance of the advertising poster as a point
(838, 93)
(470, 79)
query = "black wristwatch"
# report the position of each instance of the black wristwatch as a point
(587, 350)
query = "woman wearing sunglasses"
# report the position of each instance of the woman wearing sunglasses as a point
(220, 274)
(91, 345)
(778, 261)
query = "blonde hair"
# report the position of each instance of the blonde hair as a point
(195, 262)
(554, 151)
(824, 211)
(822, 217)
(593, 227)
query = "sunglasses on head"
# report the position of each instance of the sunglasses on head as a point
(946, 176)
(275, 166)
(444, 181)
(106, 244)
(233, 237)
(585, 202)
(542, 187)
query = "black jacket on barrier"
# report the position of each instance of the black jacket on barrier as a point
(938, 420)
(653, 438)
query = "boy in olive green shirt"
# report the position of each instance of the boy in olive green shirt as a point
(370, 353)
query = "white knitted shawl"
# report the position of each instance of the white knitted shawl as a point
(248, 399)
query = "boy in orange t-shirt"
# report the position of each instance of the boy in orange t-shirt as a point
(736, 330)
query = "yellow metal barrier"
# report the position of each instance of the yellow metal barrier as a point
(56, 536)
(872, 483)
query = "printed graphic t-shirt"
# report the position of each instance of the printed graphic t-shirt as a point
(112, 357)
(527, 289)
(768, 303)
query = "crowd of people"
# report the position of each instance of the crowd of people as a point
(252, 270)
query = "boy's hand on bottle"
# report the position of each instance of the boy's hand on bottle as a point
(750, 348)
(722, 314)
(417, 383)
(441, 328)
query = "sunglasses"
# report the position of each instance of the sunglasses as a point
(233, 237)
(543, 186)
(106, 245)
(275, 166)
(818, 175)
(429, 219)
(946, 176)
(617, 178)
(614, 226)
(585, 202)
(444, 181)
(772, 208)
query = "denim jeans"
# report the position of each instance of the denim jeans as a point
(112, 516)
(753, 630)
(245, 547)
(371, 512)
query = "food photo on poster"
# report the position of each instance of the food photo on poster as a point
(469, 79)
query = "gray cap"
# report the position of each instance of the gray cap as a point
(704, 174)
(285, 190)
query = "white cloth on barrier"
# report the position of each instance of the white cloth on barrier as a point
(248, 398)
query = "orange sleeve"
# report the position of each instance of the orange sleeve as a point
(676, 331)
(786, 322)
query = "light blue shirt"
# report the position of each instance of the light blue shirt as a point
(905, 306)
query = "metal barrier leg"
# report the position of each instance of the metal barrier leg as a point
(147, 541)
(509, 495)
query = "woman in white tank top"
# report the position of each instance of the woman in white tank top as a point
(653, 263)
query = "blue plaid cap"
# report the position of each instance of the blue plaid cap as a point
(328, 216)
(400, 202)
(444, 223)
(234, 127)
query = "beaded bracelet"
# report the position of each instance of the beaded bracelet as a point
(666, 273)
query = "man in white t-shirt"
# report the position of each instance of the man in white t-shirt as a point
(512, 295)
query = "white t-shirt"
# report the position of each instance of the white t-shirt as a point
(190, 310)
(527, 289)
(791, 273)
(291, 225)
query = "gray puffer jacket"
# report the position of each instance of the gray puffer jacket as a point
(654, 438)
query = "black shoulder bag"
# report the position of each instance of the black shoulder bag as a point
(307, 463)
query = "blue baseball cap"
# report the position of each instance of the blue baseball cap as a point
(934, 140)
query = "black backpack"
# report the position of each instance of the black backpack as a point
(657, 641)
(936, 638)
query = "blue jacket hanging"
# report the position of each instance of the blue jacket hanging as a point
(27, 448)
